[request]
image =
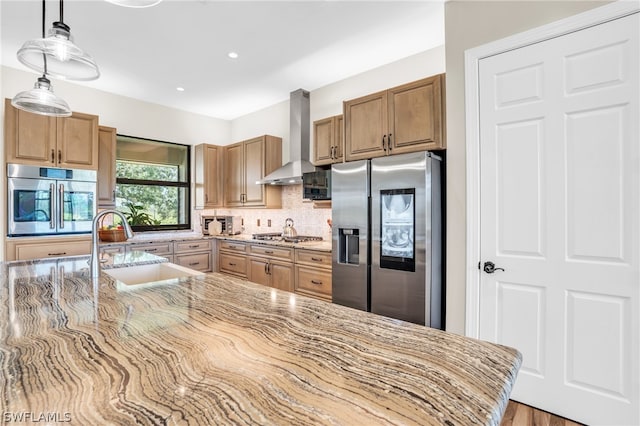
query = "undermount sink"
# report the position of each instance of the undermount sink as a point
(140, 274)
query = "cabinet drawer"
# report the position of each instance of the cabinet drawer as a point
(153, 248)
(197, 261)
(273, 252)
(313, 282)
(113, 249)
(321, 259)
(187, 246)
(233, 264)
(231, 246)
(45, 250)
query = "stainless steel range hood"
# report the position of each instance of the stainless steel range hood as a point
(299, 143)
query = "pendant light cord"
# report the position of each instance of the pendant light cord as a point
(61, 11)
(44, 56)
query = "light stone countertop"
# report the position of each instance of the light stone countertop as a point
(221, 350)
(324, 245)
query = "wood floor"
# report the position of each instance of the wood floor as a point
(518, 414)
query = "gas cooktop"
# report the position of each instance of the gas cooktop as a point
(276, 236)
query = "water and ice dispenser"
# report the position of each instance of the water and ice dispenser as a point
(349, 246)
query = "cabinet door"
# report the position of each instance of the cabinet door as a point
(234, 175)
(78, 141)
(254, 157)
(106, 167)
(282, 276)
(323, 141)
(338, 139)
(415, 116)
(257, 271)
(366, 126)
(29, 138)
(209, 176)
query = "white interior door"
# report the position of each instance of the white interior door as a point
(560, 213)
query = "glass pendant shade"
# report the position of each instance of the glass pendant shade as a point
(57, 56)
(41, 100)
(135, 3)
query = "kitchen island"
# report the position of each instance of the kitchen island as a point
(221, 350)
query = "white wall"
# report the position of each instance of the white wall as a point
(469, 24)
(327, 101)
(129, 116)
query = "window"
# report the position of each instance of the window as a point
(152, 184)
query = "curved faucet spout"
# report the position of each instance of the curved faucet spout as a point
(94, 263)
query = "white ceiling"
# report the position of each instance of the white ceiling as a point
(147, 53)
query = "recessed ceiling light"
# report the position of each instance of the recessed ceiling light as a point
(180, 89)
(233, 55)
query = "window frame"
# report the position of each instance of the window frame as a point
(159, 183)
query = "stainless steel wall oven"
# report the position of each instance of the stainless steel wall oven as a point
(47, 200)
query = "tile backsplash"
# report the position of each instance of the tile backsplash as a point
(307, 220)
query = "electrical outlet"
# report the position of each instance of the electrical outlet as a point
(269, 223)
(258, 222)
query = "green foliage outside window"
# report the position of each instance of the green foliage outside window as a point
(148, 204)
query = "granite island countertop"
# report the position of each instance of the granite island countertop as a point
(221, 350)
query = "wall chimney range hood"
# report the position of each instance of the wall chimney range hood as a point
(299, 143)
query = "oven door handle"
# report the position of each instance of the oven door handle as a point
(52, 206)
(61, 204)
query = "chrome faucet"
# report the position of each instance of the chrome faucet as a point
(94, 263)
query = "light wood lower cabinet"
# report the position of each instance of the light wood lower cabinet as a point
(196, 255)
(232, 258)
(313, 274)
(306, 272)
(271, 266)
(44, 247)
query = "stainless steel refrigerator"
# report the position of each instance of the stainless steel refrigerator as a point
(387, 237)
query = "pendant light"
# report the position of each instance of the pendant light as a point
(65, 60)
(135, 3)
(41, 99)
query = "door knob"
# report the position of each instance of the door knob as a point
(490, 267)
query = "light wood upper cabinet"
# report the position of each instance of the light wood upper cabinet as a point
(209, 176)
(106, 167)
(406, 118)
(247, 162)
(255, 166)
(365, 125)
(48, 141)
(328, 140)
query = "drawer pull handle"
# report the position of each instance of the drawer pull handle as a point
(316, 282)
(150, 250)
(268, 252)
(232, 264)
(194, 263)
(316, 259)
(56, 254)
(194, 246)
